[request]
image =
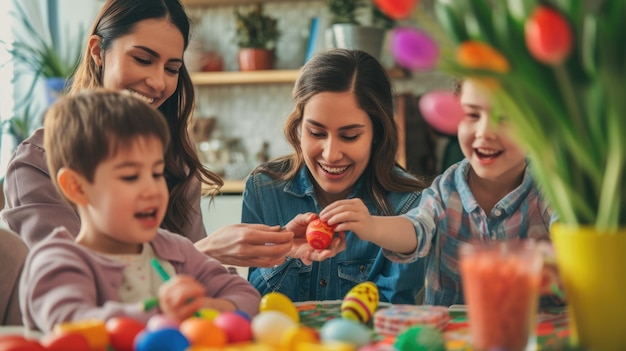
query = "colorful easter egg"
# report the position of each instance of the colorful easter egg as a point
(203, 332)
(360, 302)
(269, 327)
(319, 234)
(93, 330)
(422, 338)
(345, 330)
(236, 326)
(122, 332)
(276, 301)
(396, 9)
(162, 339)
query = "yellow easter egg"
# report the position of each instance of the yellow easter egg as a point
(276, 301)
(296, 335)
(360, 302)
(208, 313)
(93, 330)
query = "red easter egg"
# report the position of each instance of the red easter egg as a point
(122, 332)
(319, 234)
(66, 342)
(19, 343)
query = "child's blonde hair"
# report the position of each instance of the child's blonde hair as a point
(82, 130)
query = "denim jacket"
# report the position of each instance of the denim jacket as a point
(277, 202)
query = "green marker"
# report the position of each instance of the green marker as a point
(159, 269)
(163, 274)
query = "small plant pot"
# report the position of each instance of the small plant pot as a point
(251, 59)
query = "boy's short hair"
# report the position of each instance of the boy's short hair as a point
(84, 129)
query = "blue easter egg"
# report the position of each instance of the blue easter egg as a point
(161, 340)
(345, 330)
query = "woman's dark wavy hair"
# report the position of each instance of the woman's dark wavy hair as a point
(341, 70)
(118, 18)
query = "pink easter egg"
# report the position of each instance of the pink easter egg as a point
(160, 321)
(236, 326)
(442, 110)
(413, 49)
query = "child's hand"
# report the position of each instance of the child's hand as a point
(180, 297)
(350, 214)
(301, 248)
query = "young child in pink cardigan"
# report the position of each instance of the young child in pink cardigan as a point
(106, 151)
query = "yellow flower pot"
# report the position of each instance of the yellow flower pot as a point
(592, 265)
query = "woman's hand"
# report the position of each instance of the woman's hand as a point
(301, 248)
(180, 297)
(248, 245)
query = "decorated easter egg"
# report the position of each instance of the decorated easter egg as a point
(161, 321)
(345, 330)
(236, 326)
(93, 330)
(162, 339)
(122, 332)
(360, 302)
(319, 234)
(63, 342)
(268, 327)
(297, 335)
(276, 301)
(422, 338)
(203, 332)
(208, 313)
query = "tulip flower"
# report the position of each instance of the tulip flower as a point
(396, 9)
(548, 36)
(478, 55)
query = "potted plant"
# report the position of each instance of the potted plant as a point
(39, 56)
(256, 35)
(348, 30)
(556, 69)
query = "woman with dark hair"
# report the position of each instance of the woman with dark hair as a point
(345, 141)
(137, 46)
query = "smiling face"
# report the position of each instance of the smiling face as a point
(336, 141)
(127, 200)
(145, 62)
(487, 144)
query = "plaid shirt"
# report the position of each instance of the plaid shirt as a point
(449, 215)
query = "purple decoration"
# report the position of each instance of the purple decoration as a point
(413, 49)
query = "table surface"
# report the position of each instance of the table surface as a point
(552, 328)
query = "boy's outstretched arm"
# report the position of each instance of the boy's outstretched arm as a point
(393, 233)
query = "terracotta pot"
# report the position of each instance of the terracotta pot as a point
(251, 59)
(591, 264)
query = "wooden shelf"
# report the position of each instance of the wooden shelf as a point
(230, 187)
(263, 77)
(208, 3)
(251, 77)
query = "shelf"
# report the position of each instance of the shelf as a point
(207, 3)
(263, 77)
(251, 77)
(230, 187)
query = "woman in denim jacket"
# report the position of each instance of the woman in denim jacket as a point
(345, 140)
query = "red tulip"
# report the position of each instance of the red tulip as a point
(548, 36)
(396, 9)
